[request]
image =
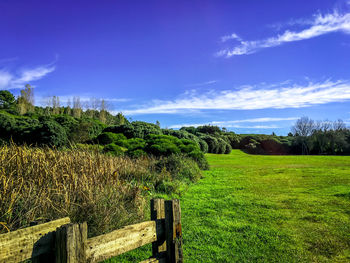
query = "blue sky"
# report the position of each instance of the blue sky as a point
(251, 66)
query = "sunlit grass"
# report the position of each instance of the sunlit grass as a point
(251, 208)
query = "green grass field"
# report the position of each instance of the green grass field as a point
(251, 208)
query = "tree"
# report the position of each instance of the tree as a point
(303, 128)
(26, 100)
(76, 107)
(103, 111)
(7, 100)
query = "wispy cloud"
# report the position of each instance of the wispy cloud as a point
(233, 123)
(11, 80)
(251, 98)
(206, 83)
(230, 37)
(319, 25)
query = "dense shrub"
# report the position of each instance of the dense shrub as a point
(7, 126)
(136, 129)
(113, 149)
(50, 133)
(110, 137)
(180, 167)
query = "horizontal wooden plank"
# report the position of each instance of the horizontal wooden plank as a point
(154, 260)
(120, 241)
(29, 242)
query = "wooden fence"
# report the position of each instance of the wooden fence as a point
(64, 242)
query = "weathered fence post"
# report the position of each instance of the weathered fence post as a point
(70, 245)
(173, 232)
(158, 215)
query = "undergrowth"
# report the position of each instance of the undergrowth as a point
(42, 184)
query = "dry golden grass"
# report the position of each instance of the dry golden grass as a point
(39, 184)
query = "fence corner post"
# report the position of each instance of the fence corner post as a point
(173, 231)
(70, 245)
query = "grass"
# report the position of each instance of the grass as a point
(108, 192)
(251, 208)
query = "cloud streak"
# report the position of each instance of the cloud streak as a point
(251, 98)
(233, 123)
(210, 82)
(10, 80)
(320, 25)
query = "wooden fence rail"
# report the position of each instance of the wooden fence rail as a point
(63, 242)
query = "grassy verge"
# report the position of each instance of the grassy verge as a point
(251, 208)
(269, 209)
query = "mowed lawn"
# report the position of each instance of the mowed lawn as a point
(254, 208)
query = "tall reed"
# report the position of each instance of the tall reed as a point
(40, 184)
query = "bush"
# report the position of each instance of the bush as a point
(180, 167)
(203, 145)
(136, 153)
(113, 149)
(136, 129)
(50, 133)
(135, 144)
(7, 125)
(110, 137)
(162, 145)
(228, 149)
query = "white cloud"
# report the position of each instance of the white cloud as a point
(10, 80)
(251, 98)
(233, 123)
(230, 37)
(210, 82)
(320, 25)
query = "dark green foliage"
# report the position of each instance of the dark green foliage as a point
(183, 134)
(86, 130)
(7, 126)
(180, 167)
(136, 129)
(190, 129)
(67, 122)
(50, 133)
(135, 144)
(142, 129)
(200, 159)
(7, 100)
(209, 129)
(113, 149)
(136, 153)
(203, 145)
(110, 137)
(211, 142)
(136, 147)
(162, 145)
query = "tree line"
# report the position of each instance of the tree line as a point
(91, 123)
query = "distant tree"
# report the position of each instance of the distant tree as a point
(103, 111)
(25, 100)
(303, 127)
(120, 119)
(7, 100)
(339, 125)
(77, 109)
